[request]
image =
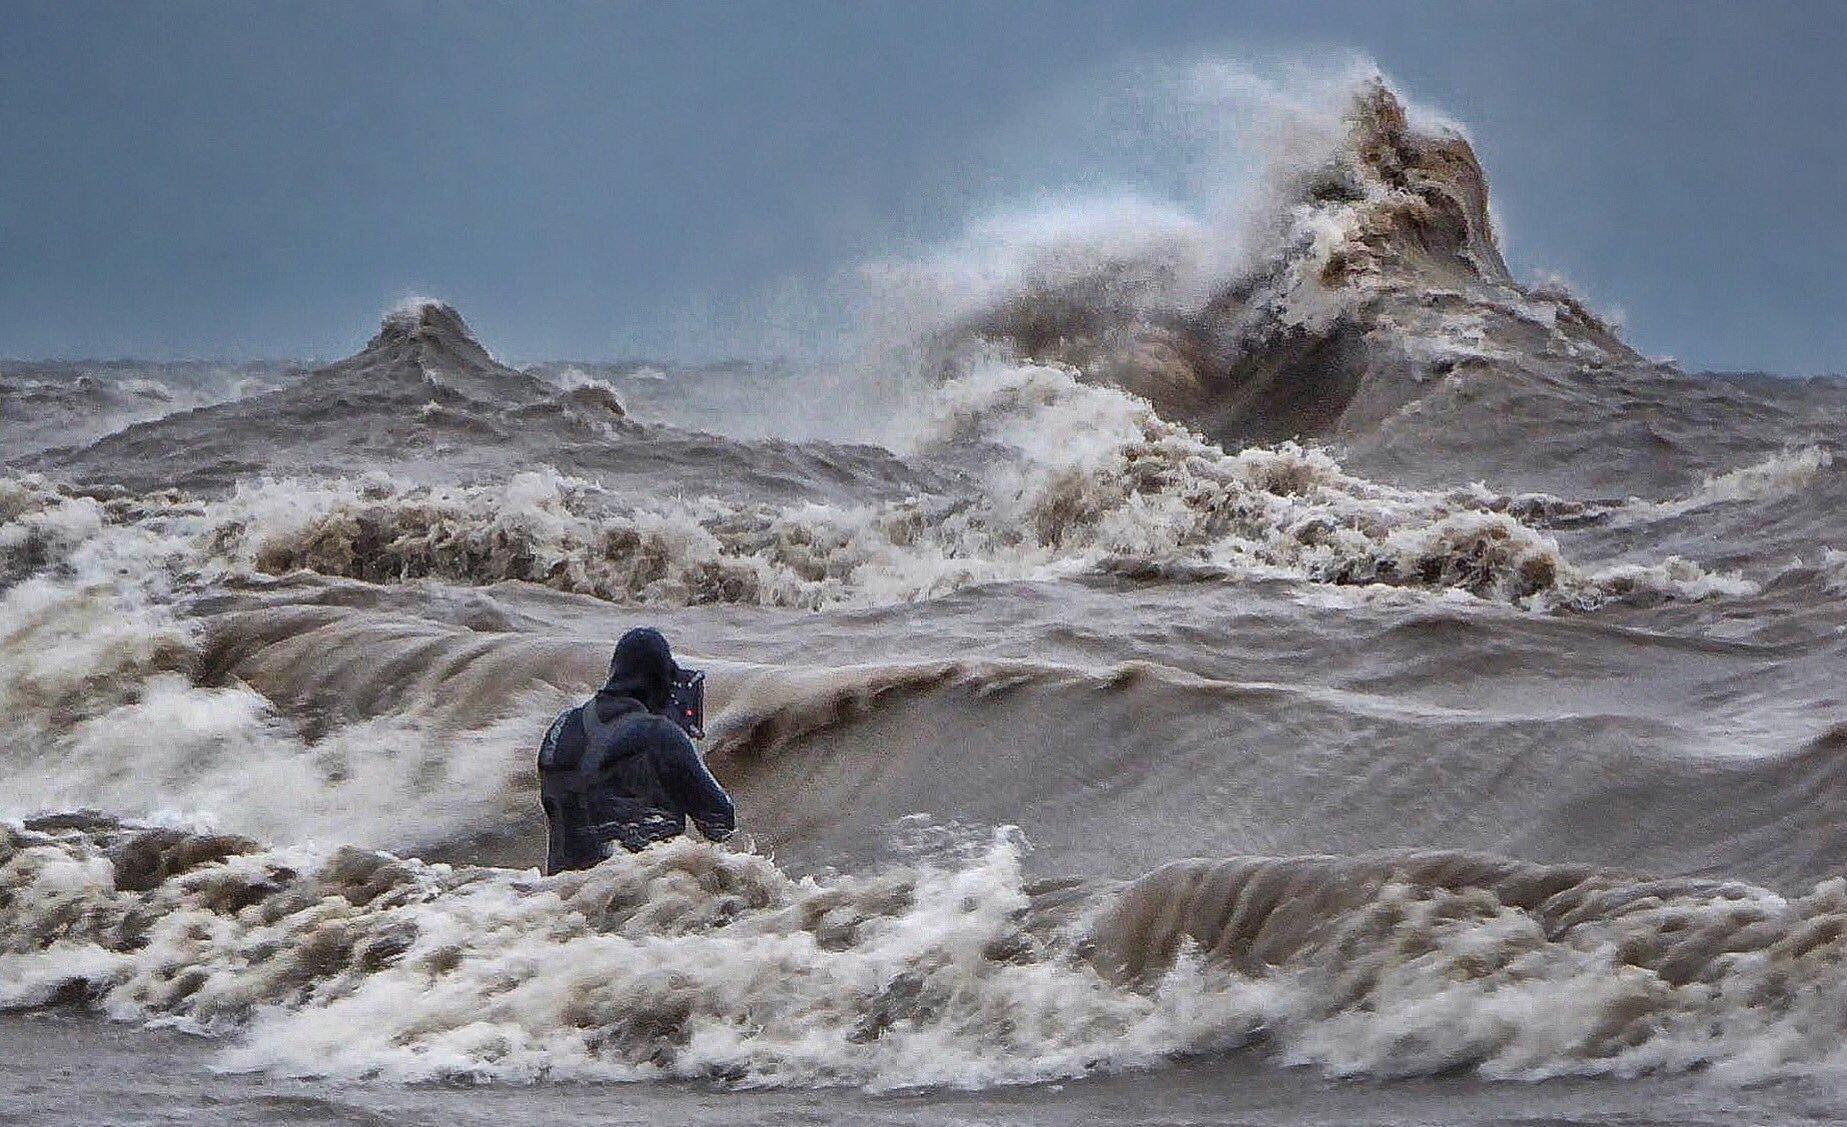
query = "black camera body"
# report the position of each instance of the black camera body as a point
(686, 702)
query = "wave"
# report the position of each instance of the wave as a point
(106, 700)
(689, 961)
(46, 405)
(1369, 304)
(1781, 474)
(301, 719)
(1428, 962)
(41, 524)
(685, 961)
(1073, 479)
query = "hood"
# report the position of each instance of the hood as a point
(642, 669)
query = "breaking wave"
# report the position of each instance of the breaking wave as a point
(1779, 475)
(1074, 479)
(100, 705)
(691, 961)
(1420, 964)
(686, 961)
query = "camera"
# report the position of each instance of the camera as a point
(686, 702)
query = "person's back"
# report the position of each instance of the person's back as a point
(613, 771)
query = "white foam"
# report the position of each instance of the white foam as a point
(691, 961)
(1834, 570)
(685, 961)
(97, 709)
(1778, 475)
(1074, 478)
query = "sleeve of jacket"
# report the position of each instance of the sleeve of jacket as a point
(549, 752)
(693, 787)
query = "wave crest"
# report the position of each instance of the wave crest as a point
(1075, 478)
(695, 962)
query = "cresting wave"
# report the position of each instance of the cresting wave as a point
(686, 961)
(1075, 478)
(691, 961)
(101, 704)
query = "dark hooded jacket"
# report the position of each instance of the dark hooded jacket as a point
(614, 771)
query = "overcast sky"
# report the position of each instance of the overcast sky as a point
(187, 179)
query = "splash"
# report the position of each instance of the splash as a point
(1075, 479)
(689, 961)
(684, 961)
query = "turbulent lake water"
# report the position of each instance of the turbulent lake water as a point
(1329, 681)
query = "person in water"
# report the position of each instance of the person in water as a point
(616, 771)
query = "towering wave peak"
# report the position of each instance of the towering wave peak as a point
(425, 403)
(1374, 299)
(428, 343)
(422, 398)
(430, 329)
(1417, 198)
